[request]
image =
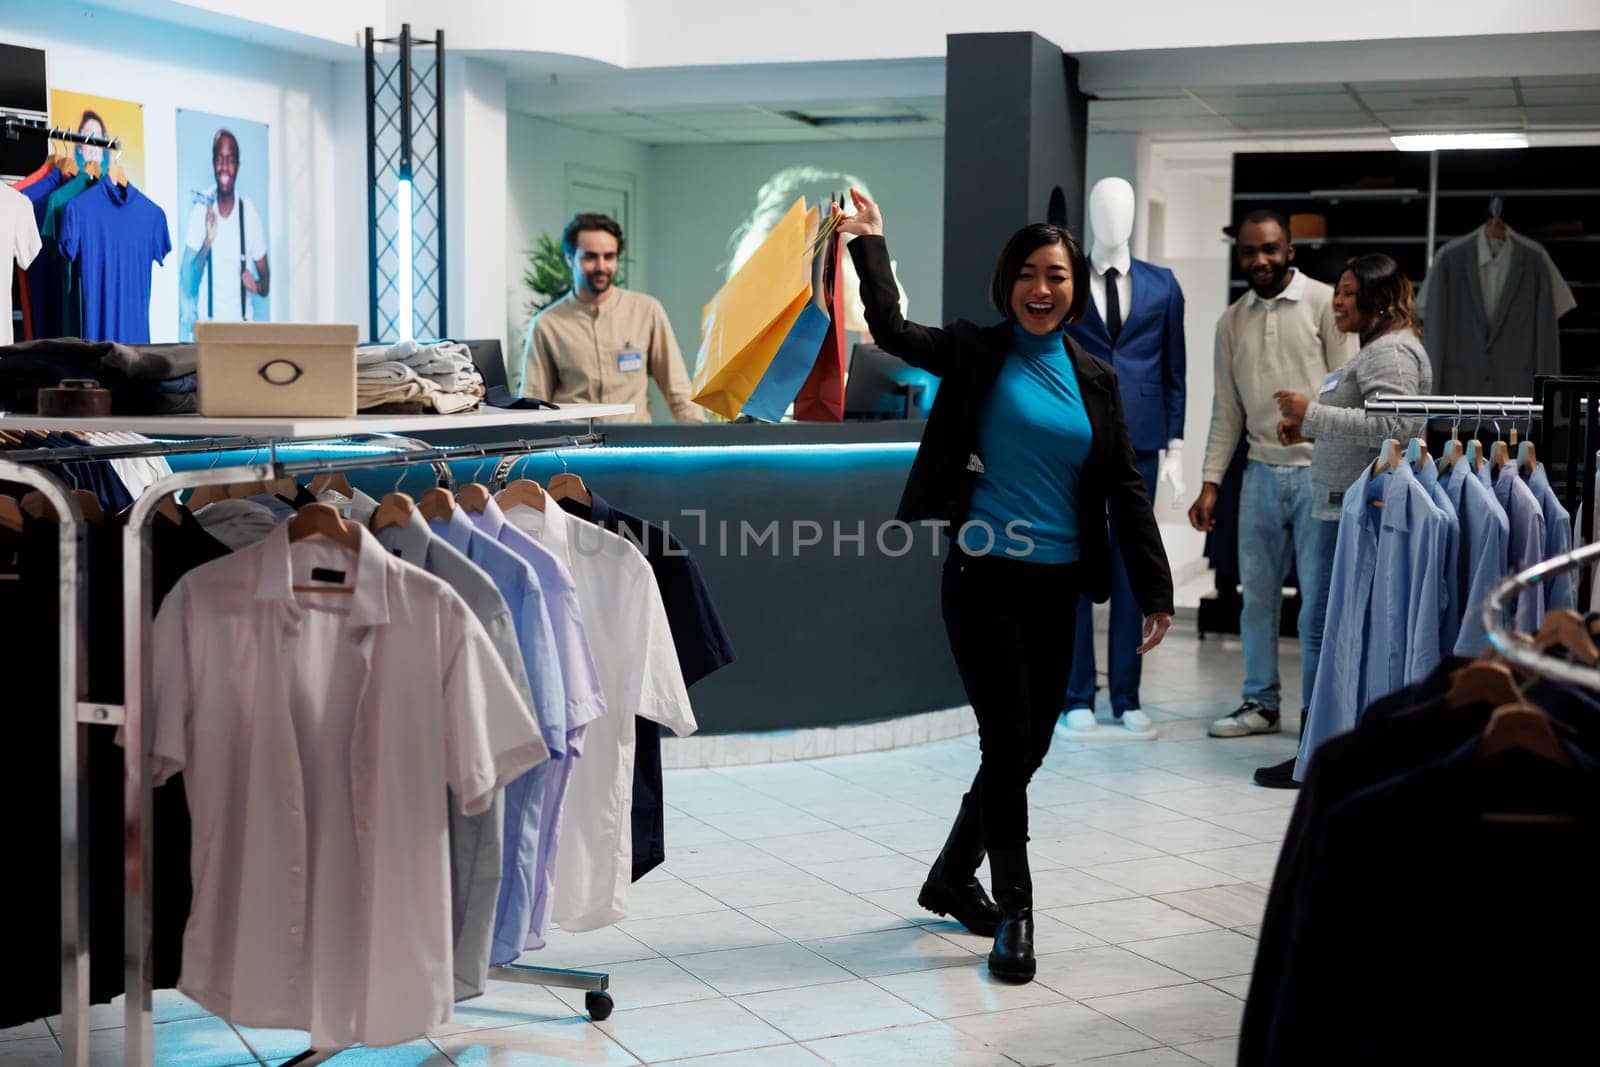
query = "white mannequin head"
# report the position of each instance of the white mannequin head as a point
(1111, 204)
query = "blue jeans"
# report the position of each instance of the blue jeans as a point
(1126, 631)
(1275, 528)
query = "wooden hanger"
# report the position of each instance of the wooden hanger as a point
(169, 509)
(474, 497)
(1416, 452)
(284, 488)
(568, 486)
(1475, 454)
(1389, 457)
(393, 510)
(36, 506)
(68, 164)
(1499, 455)
(1527, 457)
(206, 494)
(11, 513)
(1565, 628)
(523, 492)
(115, 172)
(1483, 681)
(1523, 726)
(89, 506)
(437, 503)
(335, 482)
(324, 519)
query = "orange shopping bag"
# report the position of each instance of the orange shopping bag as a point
(745, 324)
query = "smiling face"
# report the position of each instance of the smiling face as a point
(1346, 315)
(594, 263)
(1042, 294)
(1265, 255)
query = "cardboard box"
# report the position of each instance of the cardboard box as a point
(277, 368)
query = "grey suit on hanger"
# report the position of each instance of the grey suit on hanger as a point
(1520, 339)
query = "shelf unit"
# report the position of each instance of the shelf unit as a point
(1410, 204)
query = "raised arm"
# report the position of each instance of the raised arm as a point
(927, 347)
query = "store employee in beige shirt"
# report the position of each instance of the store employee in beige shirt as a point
(1280, 335)
(600, 344)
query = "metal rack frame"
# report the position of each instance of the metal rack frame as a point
(14, 124)
(77, 713)
(1520, 652)
(71, 606)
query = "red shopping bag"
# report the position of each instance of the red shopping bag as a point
(821, 398)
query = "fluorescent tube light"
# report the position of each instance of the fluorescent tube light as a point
(1431, 142)
(403, 281)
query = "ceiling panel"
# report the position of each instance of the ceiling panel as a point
(722, 118)
(1146, 108)
(1547, 95)
(1322, 121)
(1568, 115)
(1440, 85)
(670, 135)
(1590, 80)
(1235, 104)
(1488, 118)
(1432, 99)
(1285, 90)
(610, 122)
(1202, 126)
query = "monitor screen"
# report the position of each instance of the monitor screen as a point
(880, 386)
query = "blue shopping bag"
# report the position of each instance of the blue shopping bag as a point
(791, 367)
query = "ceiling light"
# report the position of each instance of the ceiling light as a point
(1435, 142)
(879, 119)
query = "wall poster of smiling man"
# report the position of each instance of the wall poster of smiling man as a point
(223, 217)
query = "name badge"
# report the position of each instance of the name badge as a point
(1331, 382)
(630, 361)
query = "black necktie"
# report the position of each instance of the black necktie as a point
(1113, 305)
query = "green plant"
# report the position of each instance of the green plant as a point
(548, 276)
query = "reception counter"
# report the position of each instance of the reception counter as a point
(833, 609)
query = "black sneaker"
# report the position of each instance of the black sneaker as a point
(1278, 776)
(1250, 718)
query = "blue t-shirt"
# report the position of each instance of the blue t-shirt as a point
(112, 235)
(1034, 437)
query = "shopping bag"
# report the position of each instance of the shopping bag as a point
(821, 397)
(745, 324)
(790, 366)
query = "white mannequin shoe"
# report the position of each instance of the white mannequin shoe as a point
(1137, 726)
(1080, 722)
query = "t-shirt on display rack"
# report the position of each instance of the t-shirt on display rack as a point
(316, 689)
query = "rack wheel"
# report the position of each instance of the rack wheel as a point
(599, 1005)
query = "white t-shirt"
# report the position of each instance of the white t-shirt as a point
(19, 240)
(225, 251)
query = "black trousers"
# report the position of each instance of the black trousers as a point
(1012, 624)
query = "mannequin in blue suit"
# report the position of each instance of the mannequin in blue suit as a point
(1147, 352)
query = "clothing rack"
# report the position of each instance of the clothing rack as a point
(1520, 652)
(15, 124)
(78, 713)
(73, 682)
(1434, 407)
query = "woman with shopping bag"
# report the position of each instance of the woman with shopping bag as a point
(1025, 453)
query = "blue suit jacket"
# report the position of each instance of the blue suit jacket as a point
(1148, 357)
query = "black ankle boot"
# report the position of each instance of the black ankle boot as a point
(952, 887)
(1011, 958)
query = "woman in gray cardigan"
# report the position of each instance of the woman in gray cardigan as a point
(1375, 300)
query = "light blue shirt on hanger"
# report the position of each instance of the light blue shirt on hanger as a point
(1450, 618)
(1562, 590)
(1384, 604)
(1485, 535)
(1526, 548)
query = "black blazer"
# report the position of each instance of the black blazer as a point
(968, 358)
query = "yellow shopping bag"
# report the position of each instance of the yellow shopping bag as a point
(744, 325)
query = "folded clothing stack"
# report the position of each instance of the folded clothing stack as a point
(143, 379)
(436, 376)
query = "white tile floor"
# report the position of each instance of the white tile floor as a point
(784, 930)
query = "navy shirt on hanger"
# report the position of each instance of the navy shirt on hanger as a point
(702, 644)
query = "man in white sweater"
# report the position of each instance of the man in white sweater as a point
(1279, 335)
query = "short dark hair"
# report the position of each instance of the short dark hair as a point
(1024, 243)
(1383, 292)
(216, 142)
(588, 220)
(1265, 214)
(88, 114)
